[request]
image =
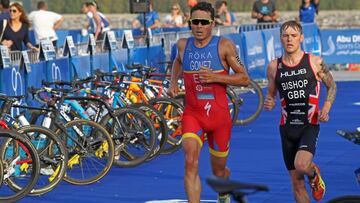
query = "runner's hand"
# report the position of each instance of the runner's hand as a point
(324, 113)
(269, 103)
(206, 75)
(173, 90)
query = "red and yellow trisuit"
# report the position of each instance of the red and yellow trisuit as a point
(206, 104)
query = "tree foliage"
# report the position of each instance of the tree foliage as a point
(122, 6)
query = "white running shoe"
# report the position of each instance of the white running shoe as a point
(224, 199)
(48, 171)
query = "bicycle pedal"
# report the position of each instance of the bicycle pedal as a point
(100, 152)
(73, 160)
(54, 174)
(24, 167)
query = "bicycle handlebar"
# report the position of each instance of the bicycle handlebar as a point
(140, 67)
(57, 82)
(12, 98)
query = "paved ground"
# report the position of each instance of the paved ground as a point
(255, 157)
(346, 75)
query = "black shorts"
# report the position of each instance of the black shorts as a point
(295, 138)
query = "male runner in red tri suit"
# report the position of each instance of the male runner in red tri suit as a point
(204, 61)
(297, 75)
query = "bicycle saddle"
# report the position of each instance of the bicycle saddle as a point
(221, 185)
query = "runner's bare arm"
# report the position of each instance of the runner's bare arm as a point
(97, 20)
(325, 76)
(230, 58)
(270, 98)
(177, 69)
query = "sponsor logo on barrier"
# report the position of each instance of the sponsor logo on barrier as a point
(343, 45)
(256, 63)
(55, 72)
(270, 48)
(331, 45)
(17, 87)
(255, 50)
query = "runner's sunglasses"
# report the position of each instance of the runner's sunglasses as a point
(203, 21)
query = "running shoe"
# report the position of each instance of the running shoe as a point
(317, 185)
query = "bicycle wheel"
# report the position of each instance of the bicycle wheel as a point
(90, 151)
(159, 123)
(53, 158)
(233, 105)
(1, 172)
(250, 101)
(133, 134)
(21, 165)
(345, 199)
(172, 111)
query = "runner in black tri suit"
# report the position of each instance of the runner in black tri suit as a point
(204, 62)
(297, 75)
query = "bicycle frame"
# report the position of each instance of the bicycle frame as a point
(4, 125)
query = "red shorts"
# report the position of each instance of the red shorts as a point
(217, 126)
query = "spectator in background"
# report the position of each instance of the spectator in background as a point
(233, 18)
(97, 24)
(222, 16)
(308, 10)
(16, 31)
(4, 8)
(45, 29)
(265, 11)
(176, 18)
(152, 21)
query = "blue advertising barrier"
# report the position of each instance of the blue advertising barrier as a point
(311, 41)
(120, 57)
(61, 34)
(81, 66)
(119, 32)
(136, 32)
(34, 78)
(254, 53)
(38, 73)
(341, 46)
(13, 81)
(175, 29)
(151, 56)
(237, 40)
(272, 44)
(101, 61)
(58, 69)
